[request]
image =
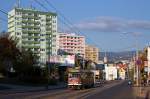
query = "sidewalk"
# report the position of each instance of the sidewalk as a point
(22, 89)
(142, 92)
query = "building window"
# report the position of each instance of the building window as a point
(54, 21)
(53, 45)
(42, 39)
(42, 49)
(18, 33)
(42, 34)
(54, 30)
(54, 26)
(54, 35)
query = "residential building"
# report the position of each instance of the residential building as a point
(72, 43)
(122, 73)
(34, 30)
(148, 59)
(105, 59)
(110, 72)
(92, 53)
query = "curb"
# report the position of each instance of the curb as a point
(29, 90)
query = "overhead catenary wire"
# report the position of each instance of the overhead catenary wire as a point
(45, 8)
(63, 19)
(66, 19)
(4, 12)
(74, 28)
(2, 19)
(42, 5)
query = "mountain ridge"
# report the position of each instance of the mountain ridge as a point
(115, 56)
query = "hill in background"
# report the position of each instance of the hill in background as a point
(116, 56)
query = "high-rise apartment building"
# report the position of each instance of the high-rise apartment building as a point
(92, 53)
(72, 43)
(34, 30)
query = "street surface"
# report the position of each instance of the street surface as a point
(121, 91)
(113, 90)
(4, 88)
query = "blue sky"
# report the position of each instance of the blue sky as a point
(109, 24)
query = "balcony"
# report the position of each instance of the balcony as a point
(30, 42)
(48, 19)
(30, 22)
(49, 33)
(30, 17)
(48, 23)
(30, 46)
(30, 32)
(34, 37)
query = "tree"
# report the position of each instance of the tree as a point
(25, 62)
(143, 58)
(8, 53)
(13, 57)
(2, 68)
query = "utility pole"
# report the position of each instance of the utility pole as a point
(18, 3)
(137, 56)
(105, 58)
(148, 57)
(49, 63)
(83, 62)
(136, 69)
(31, 4)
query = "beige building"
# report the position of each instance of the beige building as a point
(92, 53)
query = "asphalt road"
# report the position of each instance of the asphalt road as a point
(121, 91)
(80, 94)
(4, 88)
(113, 90)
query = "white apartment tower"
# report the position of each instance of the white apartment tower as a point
(35, 30)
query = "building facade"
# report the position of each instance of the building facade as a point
(110, 72)
(72, 43)
(34, 30)
(92, 53)
(148, 63)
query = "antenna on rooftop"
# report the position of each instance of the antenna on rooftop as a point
(31, 1)
(105, 54)
(105, 58)
(17, 4)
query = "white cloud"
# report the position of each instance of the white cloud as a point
(112, 24)
(139, 24)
